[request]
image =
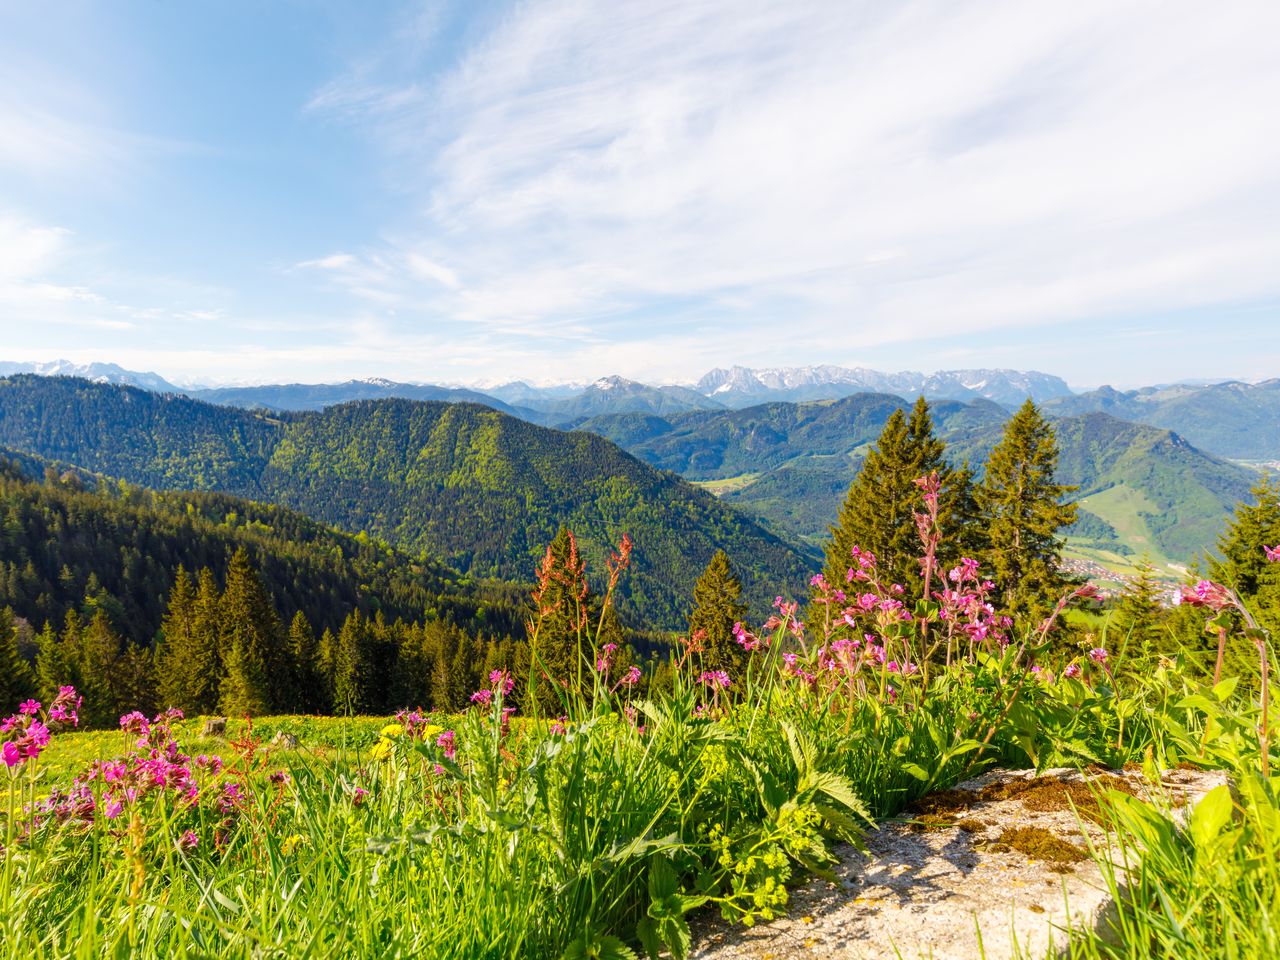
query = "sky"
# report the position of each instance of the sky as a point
(474, 192)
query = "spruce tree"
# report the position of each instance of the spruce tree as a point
(1138, 624)
(174, 652)
(1021, 506)
(1244, 566)
(558, 656)
(17, 680)
(204, 668)
(353, 666)
(98, 650)
(304, 662)
(251, 639)
(879, 510)
(717, 598)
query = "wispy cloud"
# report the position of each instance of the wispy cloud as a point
(852, 173)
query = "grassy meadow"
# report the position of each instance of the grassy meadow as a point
(598, 827)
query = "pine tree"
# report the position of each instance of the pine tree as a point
(251, 639)
(717, 598)
(1244, 566)
(1022, 508)
(174, 652)
(98, 651)
(353, 666)
(309, 693)
(204, 668)
(878, 513)
(1138, 624)
(559, 650)
(17, 679)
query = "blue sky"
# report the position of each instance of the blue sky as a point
(474, 192)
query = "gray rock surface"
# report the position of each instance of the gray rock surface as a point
(954, 890)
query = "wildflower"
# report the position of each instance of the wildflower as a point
(482, 697)
(605, 660)
(188, 841)
(392, 730)
(632, 677)
(1098, 655)
(1208, 594)
(279, 777)
(501, 681)
(30, 708)
(11, 754)
(558, 726)
(291, 844)
(381, 751)
(1072, 671)
(447, 742)
(715, 679)
(358, 795)
(745, 638)
(1273, 553)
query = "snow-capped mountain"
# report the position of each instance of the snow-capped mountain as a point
(744, 386)
(98, 372)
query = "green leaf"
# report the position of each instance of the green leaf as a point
(1210, 815)
(1226, 688)
(596, 946)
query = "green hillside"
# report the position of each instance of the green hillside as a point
(1144, 489)
(481, 491)
(68, 541)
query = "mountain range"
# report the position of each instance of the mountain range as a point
(476, 489)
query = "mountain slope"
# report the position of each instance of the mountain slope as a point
(482, 491)
(317, 396)
(97, 372)
(1233, 419)
(1143, 488)
(62, 542)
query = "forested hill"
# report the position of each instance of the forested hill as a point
(1142, 489)
(481, 491)
(64, 546)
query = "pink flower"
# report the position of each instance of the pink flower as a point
(11, 754)
(482, 697)
(632, 677)
(447, 742)
(30, 708)
(501, 681)
(1098, 655)
(188, 841)
(358, 795)
(1273, 553)
(715, 679)
(1208, 594)
(1072, 671)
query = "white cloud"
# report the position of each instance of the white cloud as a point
(862, 172)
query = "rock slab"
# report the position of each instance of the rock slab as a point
(953, 889)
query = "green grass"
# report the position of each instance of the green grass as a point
(1123, 507)
(600, 834)
(725, 485)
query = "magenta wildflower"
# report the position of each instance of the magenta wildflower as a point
(632, 677)
(1208, 594)
(1072, 671)
(188, 841)
(1273, 553)
(715, 679)
(11, 754)
(447, 742)
(1098, 655)
(30, 708)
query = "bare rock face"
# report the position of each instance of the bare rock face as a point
(997, 867)
(214, 727)
(285, 741)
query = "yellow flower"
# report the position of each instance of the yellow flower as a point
(381, 750)
(392, 730)
(431, 731)
(292, 843)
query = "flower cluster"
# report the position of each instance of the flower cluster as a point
(27, 734)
